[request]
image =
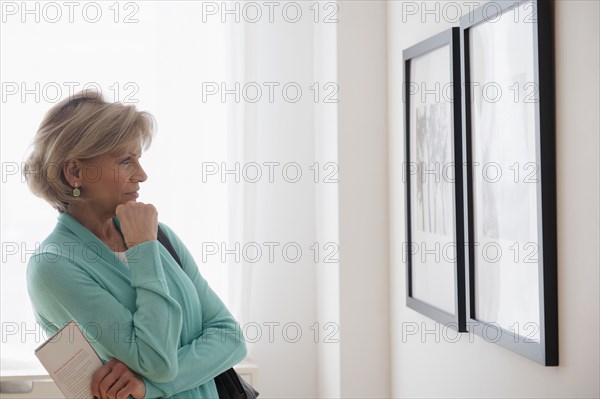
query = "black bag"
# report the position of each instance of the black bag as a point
(229, 384)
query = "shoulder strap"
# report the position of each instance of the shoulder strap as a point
(162, 238)
(229, 384)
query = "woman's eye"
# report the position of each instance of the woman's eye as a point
(125, 162)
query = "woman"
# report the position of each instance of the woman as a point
(158, 326)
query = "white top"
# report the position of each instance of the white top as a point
(122, 257)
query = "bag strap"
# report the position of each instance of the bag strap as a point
(162, 238)
(229, 384)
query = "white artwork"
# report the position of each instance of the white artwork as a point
(505, 174)
(432, 202)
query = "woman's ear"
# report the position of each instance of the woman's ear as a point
(72, 172)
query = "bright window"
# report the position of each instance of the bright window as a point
(154, 54)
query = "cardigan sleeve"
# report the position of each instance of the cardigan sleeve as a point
(218, 347)
(146, 340)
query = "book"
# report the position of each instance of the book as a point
(70, 360)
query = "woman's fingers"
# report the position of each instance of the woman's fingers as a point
(138, 388)
(120, 382)
(130, 389)
(115, 380)
(139, 222)
(99, 377)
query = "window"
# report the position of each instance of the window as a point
(153, 54)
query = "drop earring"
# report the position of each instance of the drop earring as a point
(76, 192)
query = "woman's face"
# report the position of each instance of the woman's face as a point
(110, 180)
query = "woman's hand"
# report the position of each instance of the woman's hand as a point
(139, 222)
(115, 380)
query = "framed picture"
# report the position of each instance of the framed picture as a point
(433, 250)
(510, 186)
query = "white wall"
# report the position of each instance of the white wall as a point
(363, 206)
(350, 355)
(427, 364)
(327, 213)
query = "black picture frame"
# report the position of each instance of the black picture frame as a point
(514, 305)
(435, 285)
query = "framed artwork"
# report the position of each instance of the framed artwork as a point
(433, 250)
(510, 185)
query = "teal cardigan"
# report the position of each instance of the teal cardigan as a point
(162, 321)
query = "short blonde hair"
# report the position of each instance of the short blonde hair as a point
(83, 126)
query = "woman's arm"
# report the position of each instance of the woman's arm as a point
(220, 345)
(146, 340)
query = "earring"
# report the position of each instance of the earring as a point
(76, 192)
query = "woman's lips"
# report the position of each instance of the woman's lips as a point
(133, 194)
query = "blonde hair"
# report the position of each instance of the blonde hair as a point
(83, 126)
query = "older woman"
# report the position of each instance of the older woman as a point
(158, 326)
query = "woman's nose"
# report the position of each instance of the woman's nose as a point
(141, 175)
